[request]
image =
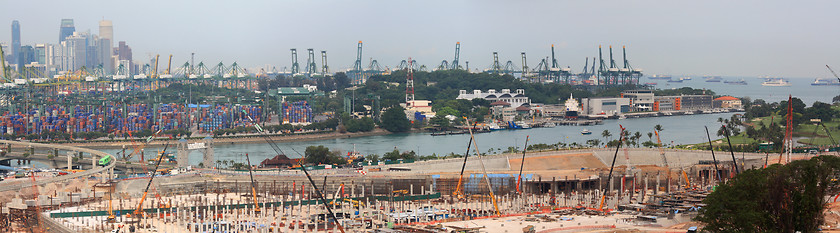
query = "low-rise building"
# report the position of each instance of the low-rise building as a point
(640, 100)
(727, 102)
(418, 109)
(605, 106)
(515, 99)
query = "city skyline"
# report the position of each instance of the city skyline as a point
(748, 38)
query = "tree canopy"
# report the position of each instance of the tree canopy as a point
(780, 198)
(395, 121)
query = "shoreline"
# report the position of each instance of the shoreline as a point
(255, 139)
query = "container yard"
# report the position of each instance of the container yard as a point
(123, 119)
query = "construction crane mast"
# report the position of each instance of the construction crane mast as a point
(455, 65)
(324, 68)
(295, 65)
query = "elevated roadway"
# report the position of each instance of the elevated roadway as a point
(97, 170)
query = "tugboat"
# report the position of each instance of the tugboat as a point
(585, 132)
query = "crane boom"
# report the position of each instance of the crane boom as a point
(609, 177)
(169, 65)
(463, 166)
(309, 177)
(139, 209)
(832, 72)
(253, 185)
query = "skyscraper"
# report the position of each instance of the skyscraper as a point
(15, 43)
(66, 30)
(106, 45)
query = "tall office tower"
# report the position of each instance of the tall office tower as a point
(15, 43)
(75, 52)
(106, 45)
(41, 53)
(66, 30)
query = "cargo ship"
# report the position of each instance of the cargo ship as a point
(572, 108)
(825, 82)
(659, 76)
(712, 79)
(739, 82)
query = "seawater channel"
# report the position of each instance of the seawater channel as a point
(683, 129)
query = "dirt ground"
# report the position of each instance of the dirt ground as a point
(559, 162)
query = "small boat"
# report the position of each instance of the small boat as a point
(494, 127)
(776, 83)
(585, 132)
(651, 83)
(441, 133)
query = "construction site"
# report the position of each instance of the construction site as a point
(533, 191)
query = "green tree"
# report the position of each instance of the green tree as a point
(394, 120)
(440, 121)
(780, 198)
(317, 154)
(606, 134)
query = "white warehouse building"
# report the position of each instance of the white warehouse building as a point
(514, 99)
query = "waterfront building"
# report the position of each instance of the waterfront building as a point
(605, 106)
(503, 111)
(16, 44)
(67, 29)
(514, 99)
(667, 103)
(727, 102)
(696, 102)
(641, 100)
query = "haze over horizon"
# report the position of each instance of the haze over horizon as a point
(741, 38)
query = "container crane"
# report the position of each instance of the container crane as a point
(454, 65)
(324, 68)
(295, 65)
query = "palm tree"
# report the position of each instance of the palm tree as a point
(658, 128)
(606, 134)
(650, 136)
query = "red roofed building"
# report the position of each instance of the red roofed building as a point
(727, 102)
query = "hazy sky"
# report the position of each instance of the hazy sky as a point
(737, 38)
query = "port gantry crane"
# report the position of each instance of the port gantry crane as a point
(277, 150)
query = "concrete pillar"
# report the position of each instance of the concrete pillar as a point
(69, 160)
(182, 155)
(209, 157)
